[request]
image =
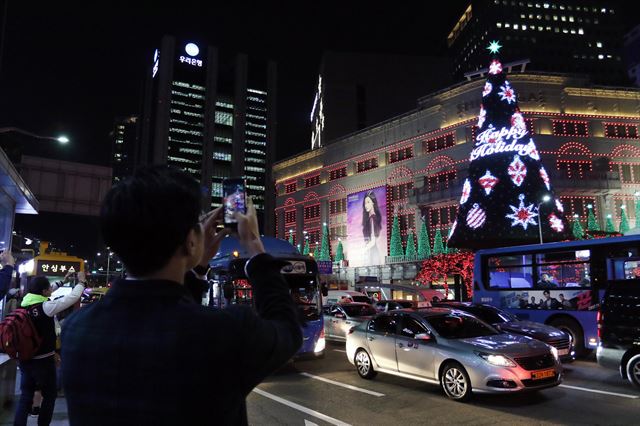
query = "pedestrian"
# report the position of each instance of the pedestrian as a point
(6, 273)
(40, 372)
(157, 357)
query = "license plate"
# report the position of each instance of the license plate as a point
(543, 374)
(563, 352)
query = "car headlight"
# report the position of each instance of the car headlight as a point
(499, 360)
(554, 351)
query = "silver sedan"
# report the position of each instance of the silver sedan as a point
(341, 317)
(453, 349)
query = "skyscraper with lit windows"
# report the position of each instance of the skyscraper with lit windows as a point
(211, 114)
(568, 36)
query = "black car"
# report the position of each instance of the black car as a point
(509, 323)
(619, 329)
(390, 305)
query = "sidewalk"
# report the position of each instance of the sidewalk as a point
(60, 417)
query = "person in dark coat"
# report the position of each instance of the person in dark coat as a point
(146, 354)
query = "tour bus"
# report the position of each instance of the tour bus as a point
(229, 285)
(560, 284)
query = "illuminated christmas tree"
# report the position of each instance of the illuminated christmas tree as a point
(424, 247)
(624, 222)
(502, 197)
(291, 236)
(609, 227)
(637, 210)
(396, 240)
(411, 247)
(305, 250)
(577, 231)
(592, 223)
(324, 247)
(438, 247)
(339, 252)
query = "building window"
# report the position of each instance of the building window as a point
(290, 187)
(529, 123)
(578, 206)
(224, 118)
(313, 235)
(442, 216)
(573, 169)
(400, 154)
(290, 217)
(441, 142)
(570, 128)
(312, 181)
(407, 222)
(439, 181)
(338, 173)
(339, 231)
(338, 206)
(629, 173)
(312, 212)
(621, 131)
(364, 165)
(399, 192)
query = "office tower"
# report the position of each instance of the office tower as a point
(124, 137)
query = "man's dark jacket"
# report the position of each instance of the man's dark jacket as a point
(146, 354)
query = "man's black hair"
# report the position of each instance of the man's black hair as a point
(38, 285)
(146, 217)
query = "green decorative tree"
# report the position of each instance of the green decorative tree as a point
(424, 247)
(339, 252)
(438, 247)
(411, 247)
(324, 247)
(637, 211)
(396, 240)
(592, 223)
(624, 222)
(305, 250)
(578, 232)
(609, 225)
(314, 252)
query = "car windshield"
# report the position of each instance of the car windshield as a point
(490, 315)
(405, 304)
(359, 310)
(360, 299)
(459, 326)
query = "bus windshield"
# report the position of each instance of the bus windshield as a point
(304, 291)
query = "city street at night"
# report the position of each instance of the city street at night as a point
(329, 391)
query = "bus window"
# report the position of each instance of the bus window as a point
(513, 271)
(631, 269)
(563, 269)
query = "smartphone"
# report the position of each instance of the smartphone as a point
(234, 193)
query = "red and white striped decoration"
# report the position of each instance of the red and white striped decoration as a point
(517, 121)
(488, 181)
(482, 116)
(559, 206)
(488, 87)
(466, 191)
(556, 223)
(476, 217)
(517, 171)
(545, 178)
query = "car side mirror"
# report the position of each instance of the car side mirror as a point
(425, 337)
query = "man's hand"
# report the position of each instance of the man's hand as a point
(248, 232)
(82, 277)
(212, 236)
(6, 258)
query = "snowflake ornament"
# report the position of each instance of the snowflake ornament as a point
(517, 121)
(488, 87)
(521, 215)
(507, 93)
(517, 171)
(488, 181)
(495, 67)
(482, 116)
(559, 206)
(556, 223)
(466, 191)
(476, 217)
(545, 178)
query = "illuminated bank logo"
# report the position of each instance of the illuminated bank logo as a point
(192, 50)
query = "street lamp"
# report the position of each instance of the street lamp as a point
(61, 139)
(545, 199)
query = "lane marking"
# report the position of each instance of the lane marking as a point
(622, 395)
(308, 423)
(344, 385)
(340, 350)
(299, 407)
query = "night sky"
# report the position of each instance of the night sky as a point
(72, 67)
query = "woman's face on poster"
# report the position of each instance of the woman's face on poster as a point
(368, 205)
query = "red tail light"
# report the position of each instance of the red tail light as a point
(599, 319)
(321, 334)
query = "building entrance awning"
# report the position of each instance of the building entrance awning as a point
(16, 188)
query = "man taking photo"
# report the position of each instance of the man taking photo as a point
(146, 353)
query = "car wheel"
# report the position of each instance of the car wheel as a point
(633, 370)
(572, 327)
(455, 382)
(364, 365)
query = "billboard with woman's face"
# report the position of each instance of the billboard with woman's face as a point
(367, 227)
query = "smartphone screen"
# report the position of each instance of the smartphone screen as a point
(235, 199)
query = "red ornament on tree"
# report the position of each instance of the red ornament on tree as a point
(487, 182)
(517, 171)
(476, 217)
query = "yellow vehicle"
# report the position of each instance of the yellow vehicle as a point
(52, 264)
